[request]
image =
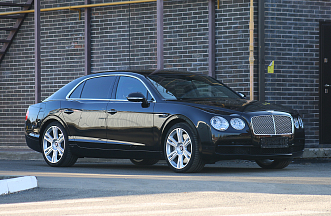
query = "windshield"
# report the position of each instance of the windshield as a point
(175, 87)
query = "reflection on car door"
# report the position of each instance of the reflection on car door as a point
(90, 104)
(129, 125)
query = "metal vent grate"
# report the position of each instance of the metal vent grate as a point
(272, 125)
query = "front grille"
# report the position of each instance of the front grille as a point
(272, 125)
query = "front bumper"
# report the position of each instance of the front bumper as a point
(252, 152)
(251, 147)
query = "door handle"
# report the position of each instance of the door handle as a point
(326, 85)
(68, 111)
(112, 111)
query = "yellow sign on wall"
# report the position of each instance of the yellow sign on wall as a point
(271, 67)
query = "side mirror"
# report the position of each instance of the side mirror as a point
(138, 97)
(242, 95)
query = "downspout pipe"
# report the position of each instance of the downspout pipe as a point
(261, 36)
(211, 38)
(37, 50)
(159, 32)
(251, 52)
(87, 39)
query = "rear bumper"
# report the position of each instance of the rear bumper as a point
(33, 142)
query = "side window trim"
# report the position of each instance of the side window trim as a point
(117, 80)
(74, 88)
(126, 75)
(111, 90)
(81, 86)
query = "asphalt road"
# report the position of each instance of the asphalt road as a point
(119, 188)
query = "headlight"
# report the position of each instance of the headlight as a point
(237, 123)
(296, 123)
(219, 123)
(300, 122)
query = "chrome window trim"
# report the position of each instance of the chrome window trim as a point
(100, 140)
(105, 75)
(74, 88)
(116, 100)
(141, 82)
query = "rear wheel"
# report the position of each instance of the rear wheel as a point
(144, 162)
(273, 164)
(56, 151)
(181, 149)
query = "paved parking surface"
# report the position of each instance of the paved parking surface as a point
(119, 188)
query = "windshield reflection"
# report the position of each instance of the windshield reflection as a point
(177, 87)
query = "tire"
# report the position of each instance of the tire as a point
(144, 162)
(273, 164)
(181, 149)
(55, 148)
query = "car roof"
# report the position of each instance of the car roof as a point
(149, 72)
(62, 92)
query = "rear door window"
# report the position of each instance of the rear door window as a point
(78, 91)
(95, 88)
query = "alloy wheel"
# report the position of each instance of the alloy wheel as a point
(53, 144)
(178, 148)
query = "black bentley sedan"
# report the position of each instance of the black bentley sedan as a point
(185, 118)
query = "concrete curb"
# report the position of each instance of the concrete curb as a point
(317, 153)
(13, 185)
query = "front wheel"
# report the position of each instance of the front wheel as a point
(181, 149)
(56, 151)
(273, 164)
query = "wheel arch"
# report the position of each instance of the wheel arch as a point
(47, 121)
(178, 119)
(52, 157)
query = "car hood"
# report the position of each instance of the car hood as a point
(228, 105)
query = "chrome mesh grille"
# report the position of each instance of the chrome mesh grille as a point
(272, 125)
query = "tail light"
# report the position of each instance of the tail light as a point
(26, 115)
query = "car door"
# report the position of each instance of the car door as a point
(129, 124)
(71, 111)
(90, 105)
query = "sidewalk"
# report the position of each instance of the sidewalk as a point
(19, 153)
(24, 153)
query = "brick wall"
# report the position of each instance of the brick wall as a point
(186, 35)
(232, 44)
(292, 41)
(124, 37)
(62, 59)
(62, 46)
(16, 83)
